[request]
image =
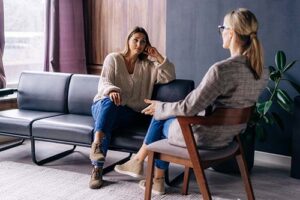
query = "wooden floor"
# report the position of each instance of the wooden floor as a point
(270, 181)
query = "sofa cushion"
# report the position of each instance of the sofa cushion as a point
(173, 91)
(17, 122)
(65, 128)
(82, 90)
(130, 139)
(43, 91)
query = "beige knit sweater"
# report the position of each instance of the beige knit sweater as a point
(135, 87)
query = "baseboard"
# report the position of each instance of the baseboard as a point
(271, 158)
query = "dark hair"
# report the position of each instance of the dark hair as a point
(137, 29)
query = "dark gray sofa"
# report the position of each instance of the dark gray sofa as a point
(56, 107)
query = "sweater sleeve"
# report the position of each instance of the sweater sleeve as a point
(196, 101)
(107, 79)
(165, 72)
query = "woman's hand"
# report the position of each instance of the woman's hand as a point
(115, 97)
(150, 110)
(152, 51)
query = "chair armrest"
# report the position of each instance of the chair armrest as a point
(7, 91)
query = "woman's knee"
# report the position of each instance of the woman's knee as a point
(102, 106)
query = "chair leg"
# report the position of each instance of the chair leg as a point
(186, 180)
(245, 176)
(149, 175)
(201, 180)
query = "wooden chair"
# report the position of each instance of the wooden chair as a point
(198, 160)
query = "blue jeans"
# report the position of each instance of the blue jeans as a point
(107, 117)
(158, 130)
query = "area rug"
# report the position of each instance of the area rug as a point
(20, 181)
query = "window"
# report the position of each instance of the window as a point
(24, 37)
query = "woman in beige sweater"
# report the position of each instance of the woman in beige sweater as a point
(127, 79)
(235, 82)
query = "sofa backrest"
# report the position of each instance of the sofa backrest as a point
(82, 90)
(173, 91)
(43, 91)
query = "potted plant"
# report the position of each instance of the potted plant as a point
(263, 115)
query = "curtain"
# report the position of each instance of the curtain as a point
(65, 44)
(2, 74)
(93, 20)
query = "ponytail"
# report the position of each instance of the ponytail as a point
(245, 25)
(254, 53)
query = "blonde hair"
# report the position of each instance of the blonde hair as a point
(245, 25)
(137, 29)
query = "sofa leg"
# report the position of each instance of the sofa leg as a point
(112, 166)
(51, 158)
(12, 144)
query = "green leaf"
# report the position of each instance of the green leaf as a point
(284, 106)
(270, 118)
(272, 69)
(267, 106)
(260, 107)
(266, 119)
(283, 96)
(275, 75)
(284, 100)
(280, 60)
(289, 66)
(278, 120)
(295, 85)
(269, 90)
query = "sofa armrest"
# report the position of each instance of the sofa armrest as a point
(7, 91)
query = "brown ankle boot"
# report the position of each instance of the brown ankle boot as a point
(96, 178)
(158, 185)
(96, 153)
(132, 168)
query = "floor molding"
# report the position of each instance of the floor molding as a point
(271, 158)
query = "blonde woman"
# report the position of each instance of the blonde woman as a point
(127, 78)
(235, 82)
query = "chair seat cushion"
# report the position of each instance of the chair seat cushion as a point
(162, 146)
(68, 128)
(17, 121)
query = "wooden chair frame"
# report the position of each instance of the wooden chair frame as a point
(221, 116)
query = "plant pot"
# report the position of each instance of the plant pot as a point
(248, 144)
(295, 164)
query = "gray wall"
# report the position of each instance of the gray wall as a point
(193, 43)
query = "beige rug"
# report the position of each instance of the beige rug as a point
(30, 182)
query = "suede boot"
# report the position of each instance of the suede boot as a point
(96, 178)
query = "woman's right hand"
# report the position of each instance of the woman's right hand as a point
(115, 97)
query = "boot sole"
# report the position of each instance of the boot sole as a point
(153, 191)
(128, 173)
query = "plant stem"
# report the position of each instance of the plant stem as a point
(275, 88)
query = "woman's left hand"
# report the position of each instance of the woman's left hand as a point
(152, 51)
(150, 110)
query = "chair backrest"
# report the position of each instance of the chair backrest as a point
(43, 91)
(82, 91)
(173, 91)
(220, 116)
(230, 116)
